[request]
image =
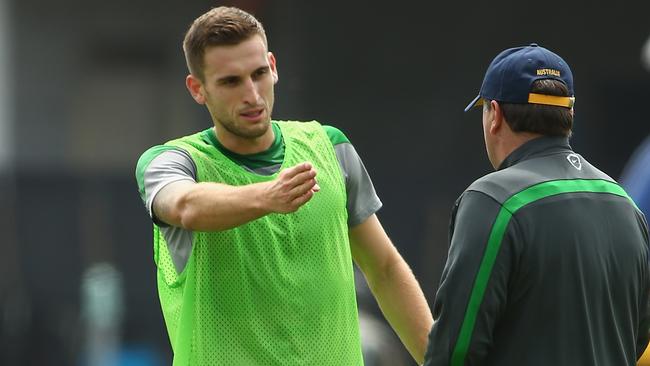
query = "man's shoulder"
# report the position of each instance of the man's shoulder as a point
(200, 138)
(494, 184)
(149, 155)
(170, 152)
(335, 135)
(505, 183)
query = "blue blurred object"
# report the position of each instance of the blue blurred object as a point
(636, 176)
(138, 355)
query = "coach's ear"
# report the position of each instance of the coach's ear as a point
(497, 117)
(195, 87)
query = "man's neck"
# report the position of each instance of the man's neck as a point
(513, 141)
(245, 146)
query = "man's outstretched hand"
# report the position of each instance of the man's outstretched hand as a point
(292, 188)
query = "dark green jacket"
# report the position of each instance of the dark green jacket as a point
(547, 265)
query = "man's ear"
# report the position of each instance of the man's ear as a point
(274, 67)
(195, 87)
(497, 118)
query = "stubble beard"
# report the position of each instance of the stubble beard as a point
(247, 133)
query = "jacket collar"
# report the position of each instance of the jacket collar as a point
(541, 146)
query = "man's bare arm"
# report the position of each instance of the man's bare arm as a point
(215, 206)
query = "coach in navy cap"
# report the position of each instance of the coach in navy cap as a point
(548, 256)
(511, 75)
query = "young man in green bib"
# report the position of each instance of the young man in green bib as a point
(257, 222)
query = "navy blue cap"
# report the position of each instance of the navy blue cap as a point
(511, 74)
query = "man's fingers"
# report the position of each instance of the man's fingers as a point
(289, 173)
(303, 188)
(295, 186)
(301, 178)
(301, 200)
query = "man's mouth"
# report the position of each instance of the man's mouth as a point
(252, 114)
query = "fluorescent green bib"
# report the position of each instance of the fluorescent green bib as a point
(278, 290)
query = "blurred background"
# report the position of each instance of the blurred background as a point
(87, 86)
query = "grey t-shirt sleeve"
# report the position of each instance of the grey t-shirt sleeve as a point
(362, 200)
(168, 167)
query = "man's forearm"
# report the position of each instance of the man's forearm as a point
(212, 206)
(217, 207)
(403, 304)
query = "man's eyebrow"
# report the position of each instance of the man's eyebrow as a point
(262, 68)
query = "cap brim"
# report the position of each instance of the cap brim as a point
(478, 101)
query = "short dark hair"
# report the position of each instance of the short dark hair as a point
(538, 118)
(219, 26)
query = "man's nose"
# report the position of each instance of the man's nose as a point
(251, 94)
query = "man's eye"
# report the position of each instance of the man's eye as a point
(228, 81)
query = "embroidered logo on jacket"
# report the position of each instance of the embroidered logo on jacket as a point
(574, 159)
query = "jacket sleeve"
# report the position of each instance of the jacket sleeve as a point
(473, 288)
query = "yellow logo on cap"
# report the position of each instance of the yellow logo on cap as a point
(544, 72)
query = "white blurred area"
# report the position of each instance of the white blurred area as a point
(645, 54)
